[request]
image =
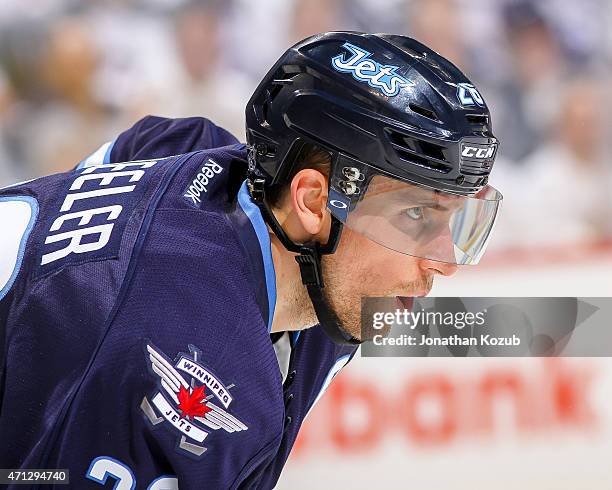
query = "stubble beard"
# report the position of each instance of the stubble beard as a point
(343, 292)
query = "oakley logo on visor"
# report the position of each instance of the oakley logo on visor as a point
(339, 205)
(364, 69)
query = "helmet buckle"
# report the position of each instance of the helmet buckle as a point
(257, 189)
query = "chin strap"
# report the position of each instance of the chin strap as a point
(309, 260)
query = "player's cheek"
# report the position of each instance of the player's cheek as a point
(390, 267)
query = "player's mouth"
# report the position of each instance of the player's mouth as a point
(405, 302)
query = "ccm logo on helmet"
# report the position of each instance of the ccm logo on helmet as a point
(377, 75)
(478, 153)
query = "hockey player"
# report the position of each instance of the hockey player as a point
(148, 296)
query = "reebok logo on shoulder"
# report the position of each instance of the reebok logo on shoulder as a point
(200, 182)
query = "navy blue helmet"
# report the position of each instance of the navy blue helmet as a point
(414, 121)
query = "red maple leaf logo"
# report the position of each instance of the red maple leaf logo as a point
(190, 404)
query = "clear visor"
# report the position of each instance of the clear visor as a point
(423, 222)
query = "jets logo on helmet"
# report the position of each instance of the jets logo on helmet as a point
(377, 75)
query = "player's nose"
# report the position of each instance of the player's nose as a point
(436, 267)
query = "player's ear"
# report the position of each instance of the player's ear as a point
(309, 201)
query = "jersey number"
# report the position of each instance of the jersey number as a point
(103, 466)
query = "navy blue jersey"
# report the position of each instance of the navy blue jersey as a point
(136, 302)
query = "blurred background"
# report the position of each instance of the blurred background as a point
(75, 73)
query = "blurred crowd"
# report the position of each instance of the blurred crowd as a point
(75, 73)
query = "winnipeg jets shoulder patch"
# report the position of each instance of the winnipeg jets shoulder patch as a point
(184, 399)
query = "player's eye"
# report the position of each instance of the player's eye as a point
(415, 213)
